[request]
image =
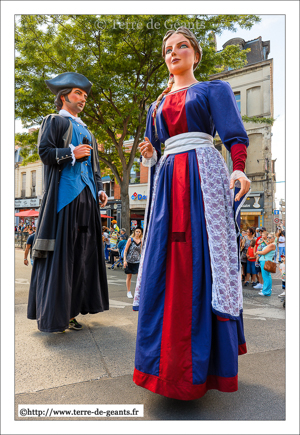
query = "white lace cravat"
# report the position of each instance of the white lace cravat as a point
(65, 113)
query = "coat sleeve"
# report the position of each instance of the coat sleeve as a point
(50, 136)
(150, 131)
(96, 166)
(226, 115)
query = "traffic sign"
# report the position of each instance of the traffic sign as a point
(276, 220)
(276, 211)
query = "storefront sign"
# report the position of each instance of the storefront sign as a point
(138, 196)
(21, 203)
(255, 201)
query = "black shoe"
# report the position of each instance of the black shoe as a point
(73, 324)
(246, 284)
(255, 283)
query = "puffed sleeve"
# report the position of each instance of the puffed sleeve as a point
(150, 134)
(226, 115)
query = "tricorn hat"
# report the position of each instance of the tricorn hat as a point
(69, 80)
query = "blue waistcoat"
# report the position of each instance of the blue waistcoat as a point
(75, 178)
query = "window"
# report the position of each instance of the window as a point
(23, 190)
(238, 100)
(106, 187)
(18, 158)
(109, 188)
(33, 183)
(112, 183)
(265, 52)
(254, 101)
(219, 148)
(135, 172)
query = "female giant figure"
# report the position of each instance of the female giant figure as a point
(188, 292)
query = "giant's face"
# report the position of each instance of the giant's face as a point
(179, 54)
(75, 100)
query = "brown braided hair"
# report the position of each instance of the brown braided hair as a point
(197, 48)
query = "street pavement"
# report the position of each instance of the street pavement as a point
(95, 365)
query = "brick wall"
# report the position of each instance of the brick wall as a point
(117, 191)
(143, 174)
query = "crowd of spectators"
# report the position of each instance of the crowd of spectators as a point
(258, 246)
(113, 241)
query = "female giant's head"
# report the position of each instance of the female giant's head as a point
(182, 53)
(181, 50)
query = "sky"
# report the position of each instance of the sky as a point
(271, 28)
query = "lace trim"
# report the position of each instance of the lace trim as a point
(218, 200)
(73, 157)
(150, 162)
(238, 174)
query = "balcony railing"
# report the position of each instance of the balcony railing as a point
(23, 193)
(33, 191)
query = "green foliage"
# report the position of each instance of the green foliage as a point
(121, 56)
(258, 120)
(28, 143)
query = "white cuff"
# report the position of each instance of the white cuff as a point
(100, 191)
(73, 157)
(150, 162)
(238, 174)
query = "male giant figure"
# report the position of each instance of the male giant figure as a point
(69, 274)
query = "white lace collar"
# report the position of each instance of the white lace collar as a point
(64, 112)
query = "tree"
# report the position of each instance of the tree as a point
(121, 56)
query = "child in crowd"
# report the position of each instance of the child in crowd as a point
(251, 262)
(282, 269)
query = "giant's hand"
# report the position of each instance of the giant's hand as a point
(103, 198)
(82, 151)
(146, 148)
(242, 181)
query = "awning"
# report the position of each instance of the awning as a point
(136, 216)
(28, 213)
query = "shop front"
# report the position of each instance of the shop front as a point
(252, 212)
(137, 203)
(24, 205)
(113, 208)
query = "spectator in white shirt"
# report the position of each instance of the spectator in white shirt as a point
(281, 245)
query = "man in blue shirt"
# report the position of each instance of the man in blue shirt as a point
(68, 275)
(28, 248)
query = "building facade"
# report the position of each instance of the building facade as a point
(28, 186)
(253, 89)
(138, 190)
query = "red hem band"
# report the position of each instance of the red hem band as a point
(184, 391)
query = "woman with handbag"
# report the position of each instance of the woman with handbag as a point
(132, 256)
(266, 263)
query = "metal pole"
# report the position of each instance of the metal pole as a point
(272, 203)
